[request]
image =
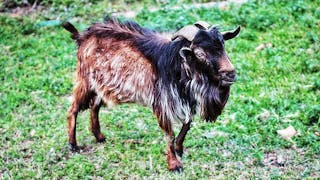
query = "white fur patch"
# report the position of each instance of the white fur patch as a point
(175, 108)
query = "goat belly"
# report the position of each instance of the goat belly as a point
(117, 72)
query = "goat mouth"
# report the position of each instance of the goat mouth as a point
(227, 82)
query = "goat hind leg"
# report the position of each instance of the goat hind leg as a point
(80, 102)
(94, 119)
(72, 120)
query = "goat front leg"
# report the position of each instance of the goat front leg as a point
(179, 141)
(95, 105)
(173, 162)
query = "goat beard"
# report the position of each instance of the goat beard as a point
(213, 102)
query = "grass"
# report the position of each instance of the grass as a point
(278, 86)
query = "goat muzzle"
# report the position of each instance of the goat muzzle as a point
(227, 78)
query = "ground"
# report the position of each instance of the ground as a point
(277, 59)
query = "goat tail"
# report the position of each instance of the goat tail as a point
(74, 32)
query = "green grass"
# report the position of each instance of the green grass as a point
(277, 87)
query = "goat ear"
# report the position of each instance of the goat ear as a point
(230, 34)
(185, 53)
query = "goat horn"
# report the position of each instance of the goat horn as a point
(188, 32)
(230, 34)
(202, 25)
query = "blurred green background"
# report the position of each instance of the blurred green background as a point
(277, 59)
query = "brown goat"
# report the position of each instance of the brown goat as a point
(120, 62)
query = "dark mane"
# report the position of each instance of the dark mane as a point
(113, 28)
(162, 52)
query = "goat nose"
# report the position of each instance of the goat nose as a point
(231, 75)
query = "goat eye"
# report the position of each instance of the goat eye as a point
(200, 53)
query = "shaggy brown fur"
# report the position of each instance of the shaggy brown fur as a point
(123, 62)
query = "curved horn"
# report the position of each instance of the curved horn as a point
(230, 34)
(202, 25)
(188, 32)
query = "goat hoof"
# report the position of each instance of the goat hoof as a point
(178, 170)
(179, 153)
(175, 167)
(73, 147)
(100, 139)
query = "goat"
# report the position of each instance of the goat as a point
(121, 62)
